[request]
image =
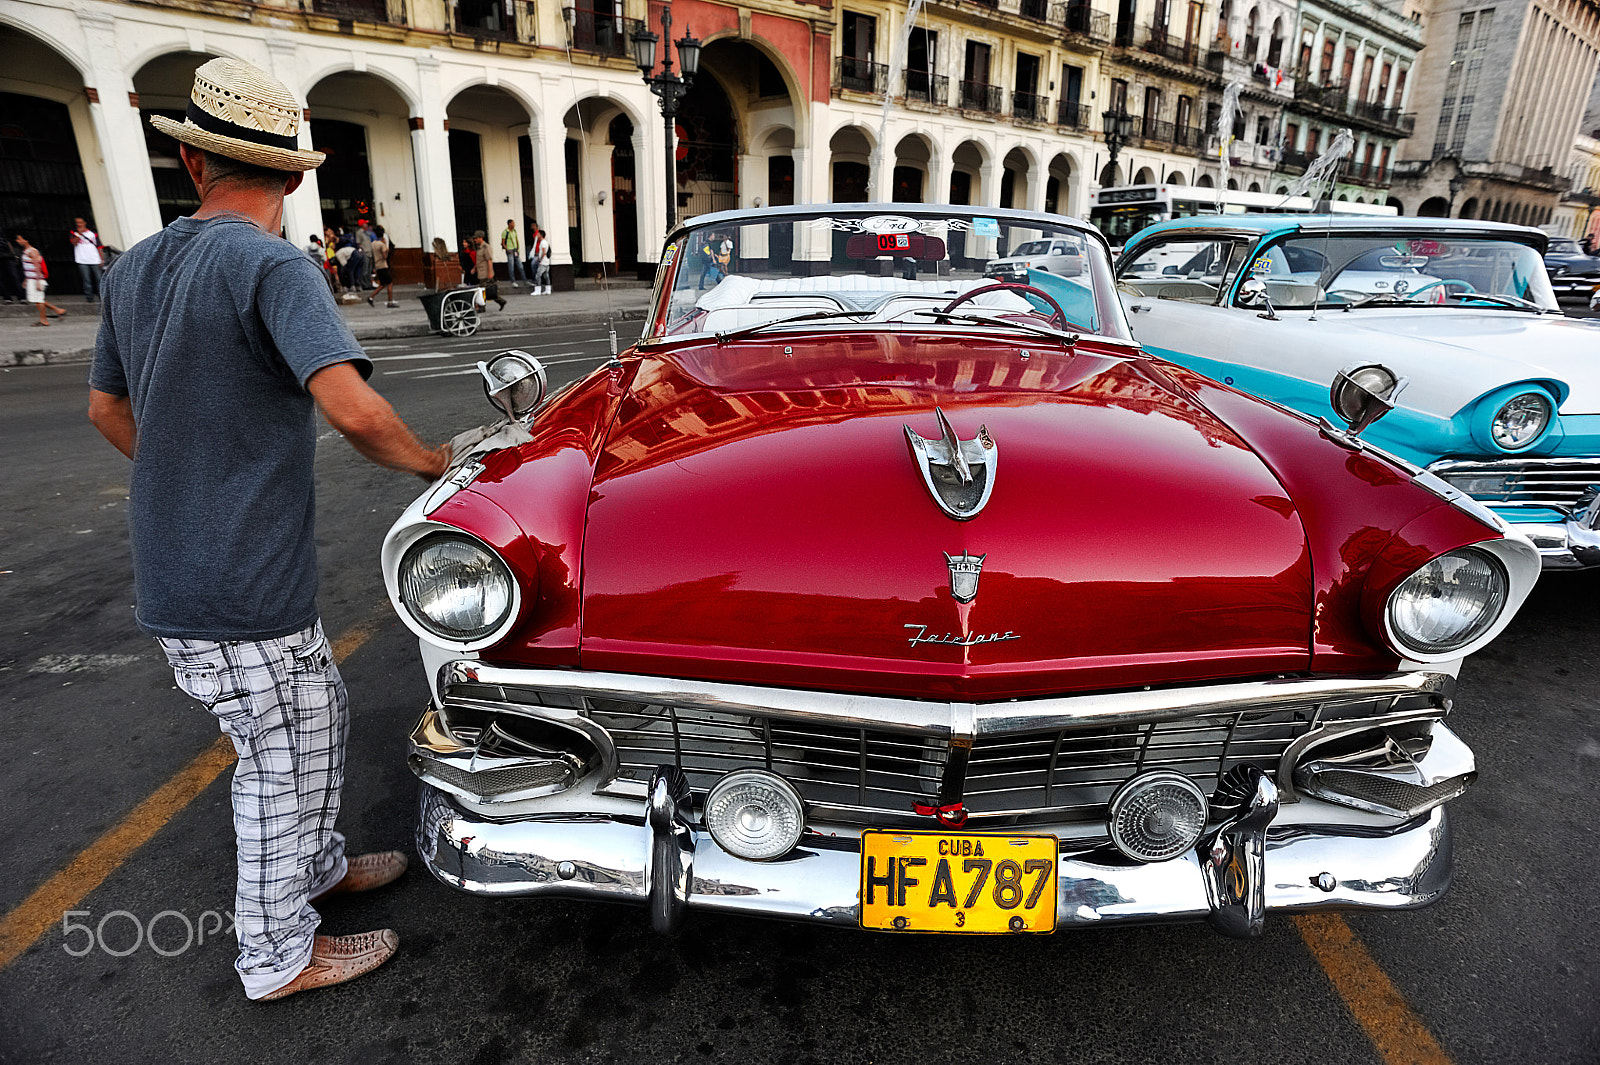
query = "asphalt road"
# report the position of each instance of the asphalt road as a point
(1504, 969)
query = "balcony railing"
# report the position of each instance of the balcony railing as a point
(1368, 174)
(600, 32)
(1388, 116)
(860, 75)
(1158, 41)
(1072, 114)
(1030, 107)
(1192, 138)
(1291, 160)
(927, 88)
(981, 96)
(1334, 97)
(1081, 19)
(354, 10)
(1214, 60)
(492, 20)
(1155, 131)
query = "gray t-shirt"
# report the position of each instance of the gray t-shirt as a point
(213, 327)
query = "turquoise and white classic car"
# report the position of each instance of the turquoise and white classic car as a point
(1500, 394)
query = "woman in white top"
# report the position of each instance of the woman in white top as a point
(34, 273)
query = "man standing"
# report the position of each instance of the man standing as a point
(512, 247)
(214, 400)
(539, 264)
(364, 265)
(87, 254)
(483, 268)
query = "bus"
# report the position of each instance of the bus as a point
(1121, 212)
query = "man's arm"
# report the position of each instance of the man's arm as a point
(113, 416)
(370, 424)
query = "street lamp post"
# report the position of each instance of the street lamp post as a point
(669, 86)
(1455, 190)
(1118, 127)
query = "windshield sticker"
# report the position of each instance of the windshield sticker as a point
(668, 255)
(985, 227)
(889, 223)
(1262, 265)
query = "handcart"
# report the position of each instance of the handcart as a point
(455, 311)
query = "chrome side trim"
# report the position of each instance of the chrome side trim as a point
(947, 719)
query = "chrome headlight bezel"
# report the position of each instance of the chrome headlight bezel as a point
(1475, 637)
(486, 635)
(1546, 406)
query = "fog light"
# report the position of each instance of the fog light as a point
(1156, 816)
(755, 814)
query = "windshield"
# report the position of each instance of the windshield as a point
(1386, 270)
(861, 266)
(1121, 222)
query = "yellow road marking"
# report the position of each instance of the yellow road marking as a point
(40, 911)
(1399, 1035)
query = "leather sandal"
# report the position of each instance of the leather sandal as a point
(368, 871)
(335, 959)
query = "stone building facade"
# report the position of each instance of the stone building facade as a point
(1501, 91)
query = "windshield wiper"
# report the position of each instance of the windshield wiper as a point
(1514, 302)
(812, 316)
(1004, 323)
(1383, 299)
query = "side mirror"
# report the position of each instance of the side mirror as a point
(1170, 270)
(1364, 392)
(515, 382)
(1253, 293)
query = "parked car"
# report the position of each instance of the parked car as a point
(1052, 256)
(1573, 272)
(1503, 399)
(752, 619)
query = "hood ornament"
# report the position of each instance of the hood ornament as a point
(964, 573)
(959, 473)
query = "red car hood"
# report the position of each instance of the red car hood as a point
(757, 516)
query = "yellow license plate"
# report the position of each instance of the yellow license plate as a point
(934, 882)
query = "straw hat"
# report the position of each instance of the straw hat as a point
(244, 113)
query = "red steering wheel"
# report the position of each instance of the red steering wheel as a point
(1058, 319)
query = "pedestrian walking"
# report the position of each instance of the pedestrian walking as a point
(215, 402)
(539, 264)
(468, 259)
(35, 279)
(364, 264)
(89, 257)
(330, 260)
(512, 246)
(380, 266)
(483, 265)
(11, 283)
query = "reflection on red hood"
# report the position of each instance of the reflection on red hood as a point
(757, 516)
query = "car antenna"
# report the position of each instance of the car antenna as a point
(1342, 146)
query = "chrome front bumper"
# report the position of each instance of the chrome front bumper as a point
(1240, 871)
(1570, 544)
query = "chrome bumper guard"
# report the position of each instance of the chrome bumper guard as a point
(1242, 869)
(1570, 544)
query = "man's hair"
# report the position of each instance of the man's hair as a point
(221, 168)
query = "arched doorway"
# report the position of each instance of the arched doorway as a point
(1433, 207)
(708, 147)
(362, 124)
(1205, 181)
(1058, 190)
(1144, 176)
(624, 201)
(1110, 176)
(967, 167)
(487, 176)
(1396, 204)
(1175, 178)
(850, 165)
(1016, 179)
(44, 124)
(163, 86)
(911, 159)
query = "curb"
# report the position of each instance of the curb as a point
(487, 324)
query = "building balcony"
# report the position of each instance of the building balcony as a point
(493, 20)
(1071, 114)
(981, 96)
(1030, 107)
(1157, 41)
(1079, 18)
(1387, 116)
(923, 87)
(1153, 131)
(376, 11)
(860, 75)
(1334, 97)
(1189, 138)
(600, 32)
(1369, 174)
(1296, 161)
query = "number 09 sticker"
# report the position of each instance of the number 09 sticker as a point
(936, 882)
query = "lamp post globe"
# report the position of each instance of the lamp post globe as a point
(669, 87)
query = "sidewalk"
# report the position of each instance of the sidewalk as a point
(71, 339)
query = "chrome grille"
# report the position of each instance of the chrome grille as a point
(1561, 483)
(870, 769)
(503, 781)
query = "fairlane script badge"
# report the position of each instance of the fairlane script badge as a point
(922, 635)
(959, 473)
(964, 573)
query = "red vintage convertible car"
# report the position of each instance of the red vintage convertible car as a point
(754, 619)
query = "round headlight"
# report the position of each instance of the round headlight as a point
(455, 588)
(1156, 816)
(1521, 420)
(755, 814)
(1448, 603)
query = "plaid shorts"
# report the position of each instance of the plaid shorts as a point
(283, 705)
